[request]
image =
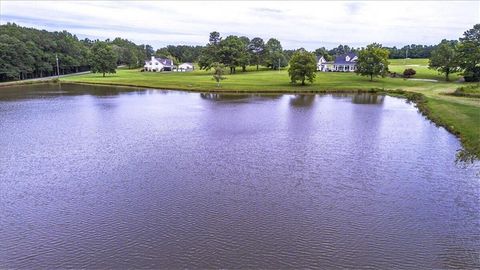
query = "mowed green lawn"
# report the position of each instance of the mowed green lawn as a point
(421, 67)
(267, 80)
(461, 114)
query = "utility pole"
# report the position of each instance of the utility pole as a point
(58, 69)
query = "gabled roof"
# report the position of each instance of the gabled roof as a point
(320, 57)
(342, 59)
(165, 61)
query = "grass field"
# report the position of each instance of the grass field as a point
(420, 66)
(461, 115)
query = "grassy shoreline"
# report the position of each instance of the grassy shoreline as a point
(458, 114)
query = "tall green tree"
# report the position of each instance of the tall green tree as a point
(231, 51)
(257, 50)
(303, 65)
(372, 61)
(214, 38)
(131, 59)
(469, 54)
(244, 59)
(148, 51)
(274, 57)
(444, 59)
(210, 53)
(102, 58)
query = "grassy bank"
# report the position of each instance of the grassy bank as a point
(460, 115)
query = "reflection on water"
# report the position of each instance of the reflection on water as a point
(111, 177)
(237, 97)
(367, 98)
(55, 90)
(302, 100)
(361, 98)
(224, 97)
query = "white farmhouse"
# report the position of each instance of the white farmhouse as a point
(342, 63)
(158, 64)
(185, 67)
(345, 63)
(322, 64)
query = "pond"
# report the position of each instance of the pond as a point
(110, 177)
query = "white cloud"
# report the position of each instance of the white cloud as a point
(295, 24)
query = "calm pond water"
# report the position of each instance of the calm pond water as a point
(103, 177)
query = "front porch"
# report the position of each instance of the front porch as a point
(344, 68)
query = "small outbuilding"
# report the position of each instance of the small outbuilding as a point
(185, 67)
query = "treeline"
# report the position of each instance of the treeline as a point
(27, 53)
(30, 53)
(462, 55)
(410, 51)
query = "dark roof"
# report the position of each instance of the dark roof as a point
(165, 61)
(342, 59)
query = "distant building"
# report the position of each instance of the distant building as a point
(158, 64)
(185, 67)
(342, 63)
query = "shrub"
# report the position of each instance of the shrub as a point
(409, 72)
(468, 91)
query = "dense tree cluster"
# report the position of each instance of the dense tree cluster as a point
(459, 56)
(128, 53)
(180, 53)
(30, 53)
(234, 51)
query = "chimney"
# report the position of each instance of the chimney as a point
(153, 58)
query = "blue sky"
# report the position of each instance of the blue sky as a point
(309, 24)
